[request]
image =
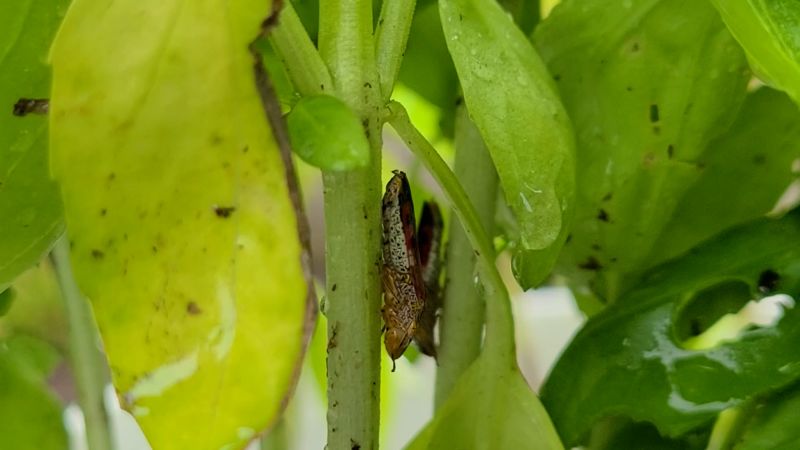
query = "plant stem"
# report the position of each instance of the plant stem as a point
(461, 323)
(391, 38)
(353, 236)
(298, 54)
(277, 438)
(729, 426)
(88, 366)
(500, 325)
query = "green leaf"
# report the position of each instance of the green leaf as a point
(490, 406)
(327, 134)
(648, 85)
(514, 104)
(749, 167)
(183, 234)
(773, 424)
(29, 204)
(30, 416)
(633, 343)
(769, 31)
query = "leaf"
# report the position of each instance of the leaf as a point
(745, 172)
(6, 298)
(768, 30)
(183, 234)
(514, 104)
(327, 134)
(773, 424)
(30, 416)
(490, 406)
(626, 361)
(648, 85)
(38, 309)
(29, 203)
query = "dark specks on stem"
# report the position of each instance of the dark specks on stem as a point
(103, 212)
(654, 113)
(602, 215)
(224, 212)
(591, 263)
(97, 254)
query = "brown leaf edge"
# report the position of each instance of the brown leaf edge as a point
(269, 102)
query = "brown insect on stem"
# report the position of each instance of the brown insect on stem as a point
(403, 286)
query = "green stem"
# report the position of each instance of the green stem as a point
(391, 38)
(353, 236)
(300, 58)
(461, 323)
(88, 366)
(500, 325)
(277, 438)
(729, 426)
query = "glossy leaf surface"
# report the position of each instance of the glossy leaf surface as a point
(30, 207)
(627, 361)
(327, 134)
(183, 234)
(769, 31)
(513, 102)
(648, 85)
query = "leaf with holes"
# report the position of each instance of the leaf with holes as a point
(183, 233)
(29, 204)
(628, 361)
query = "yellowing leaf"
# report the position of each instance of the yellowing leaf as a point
(183, 234)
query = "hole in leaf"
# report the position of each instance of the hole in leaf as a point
(722, 312)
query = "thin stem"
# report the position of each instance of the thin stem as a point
(461, 323)
(391, 38)
(729, 426)
(300, 58)
(353, 236)
(88, 366)
(500, 326)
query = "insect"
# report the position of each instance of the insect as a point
(409, 310)
(429, 235)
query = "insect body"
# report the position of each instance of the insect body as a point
(429, 235)
(404, 291)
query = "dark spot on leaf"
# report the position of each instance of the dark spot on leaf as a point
(354, 445)
(635, 47)
(557, 77)
(193, 309)
(367, 85)
(629, 88)
(591, 263)
(608, 196)
(245, 149)
(333, 288)
(569, 238)
(332, 340)
(224, 211)
(103, 212)
(656, 130)
(459, 100)
(602, 215)
(112, 176)
(596, 247)
(155, 249)
(25, 106)
(768, 281)
(654, 113)
(670, 151)
(97, 254)
(760, 159)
